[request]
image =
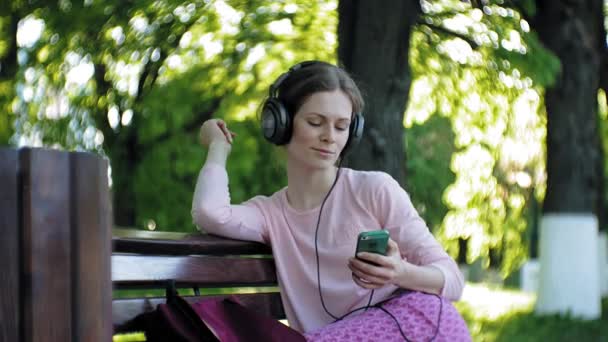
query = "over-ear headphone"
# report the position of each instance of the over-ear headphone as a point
(277, 121)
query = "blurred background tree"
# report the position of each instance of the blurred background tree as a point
(134, 81)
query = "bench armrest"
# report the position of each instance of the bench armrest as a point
(172, 243)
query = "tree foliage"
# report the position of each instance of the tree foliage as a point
(134, 80)
(484, 70)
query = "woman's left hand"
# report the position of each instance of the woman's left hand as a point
(387, 269)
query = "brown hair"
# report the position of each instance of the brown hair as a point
(317, 77)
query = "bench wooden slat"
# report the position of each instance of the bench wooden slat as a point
(10, 309)
(47, 262)
(172, 243)
(91, 243)
(265, 303)
(205, 271)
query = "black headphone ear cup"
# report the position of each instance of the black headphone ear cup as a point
(357, 128)
(276, 122)
(355, 132)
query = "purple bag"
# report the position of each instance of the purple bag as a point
(232, 322)
(211, 319)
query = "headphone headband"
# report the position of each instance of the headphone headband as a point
(277, 84)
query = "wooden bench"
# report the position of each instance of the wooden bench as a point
(61, 258)
(207, 263)
(55, 248)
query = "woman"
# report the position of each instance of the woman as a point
(312, 224)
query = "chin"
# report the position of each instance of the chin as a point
(318, 164)
(312, 161)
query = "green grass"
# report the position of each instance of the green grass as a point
(189, 292)
(495, 314)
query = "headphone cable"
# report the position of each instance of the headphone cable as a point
(377, 305)
(316, 240)
(336, 318)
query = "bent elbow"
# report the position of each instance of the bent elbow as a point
(458, 285)
(204, 217)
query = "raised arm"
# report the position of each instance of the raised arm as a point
(211, 208)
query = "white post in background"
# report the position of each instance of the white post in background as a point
(603, 263)
(529, 274)
(569, 279)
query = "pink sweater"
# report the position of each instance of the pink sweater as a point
(360, 201)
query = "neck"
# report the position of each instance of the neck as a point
(306, 188)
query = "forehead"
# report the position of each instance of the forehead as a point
(335, 104)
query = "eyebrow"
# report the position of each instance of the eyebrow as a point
(325, 116)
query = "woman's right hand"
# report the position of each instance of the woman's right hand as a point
(215, 130)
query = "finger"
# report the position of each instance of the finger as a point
(228, 136)
(222, 125)
(367, 271)
(358, 282)
(375, 258)
(364, 284)
(371, 278)
(393, 247)
(365, 266)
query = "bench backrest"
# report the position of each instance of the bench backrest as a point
(147, 260)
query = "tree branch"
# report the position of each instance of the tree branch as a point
(151, 69)
(516, 5)
(448, 32)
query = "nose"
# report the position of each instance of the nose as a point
(329, 134)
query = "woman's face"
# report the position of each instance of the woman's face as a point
(320, 129)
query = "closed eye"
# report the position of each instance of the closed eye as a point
(314, 123)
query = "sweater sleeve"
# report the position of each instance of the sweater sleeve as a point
(213, 213)
(416, 243)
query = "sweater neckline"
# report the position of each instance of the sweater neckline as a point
(288, 208)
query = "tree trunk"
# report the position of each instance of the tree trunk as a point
(601, 202)
(125, 159)
(8, 72)
(569, 226)
(568, 29)
(373, 45)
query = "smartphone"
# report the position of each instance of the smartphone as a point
(375, 241)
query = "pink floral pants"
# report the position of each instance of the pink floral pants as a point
(418, 317)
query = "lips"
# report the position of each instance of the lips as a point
(322, 150)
